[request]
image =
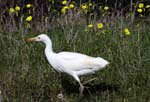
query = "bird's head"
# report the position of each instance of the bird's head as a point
(41, 37)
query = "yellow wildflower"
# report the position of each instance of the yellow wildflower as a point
(11, 10)
(84, 6)
(99, 25)
(17, 8)
(64, 2)
(126, 31)
(71, 6)
(139, 10)
(63, 10)
(141, 5)
(29, 19)
(65, 7)
(90, 26)
(147, 6)
(106, 8)
(28, 6)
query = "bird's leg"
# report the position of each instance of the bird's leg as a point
(81, 86)
(89, 81)
(81, 89)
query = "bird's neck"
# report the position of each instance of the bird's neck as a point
(48, 48)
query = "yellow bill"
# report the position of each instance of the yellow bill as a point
(31, 39)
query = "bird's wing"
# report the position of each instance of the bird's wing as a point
(75, 61)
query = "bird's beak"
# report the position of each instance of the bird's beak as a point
(31, 39)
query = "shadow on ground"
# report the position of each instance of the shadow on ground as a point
(71, 88)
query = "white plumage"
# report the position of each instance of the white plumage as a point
(72, 63)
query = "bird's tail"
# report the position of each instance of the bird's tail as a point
(100, 63)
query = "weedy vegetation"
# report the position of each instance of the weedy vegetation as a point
(120, 36)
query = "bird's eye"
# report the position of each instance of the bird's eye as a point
(38, 37)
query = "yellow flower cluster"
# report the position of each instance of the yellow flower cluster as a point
(29, 19)
(126, 31)
(66, 6)
(84, 6)
(64, 2)
(99, 25)
(17, 8)
(106, 8)
(139, 10)
(64, 9)
(90, 26)
(71, 6)
(28, 6)
(11, 10)
(140, 7)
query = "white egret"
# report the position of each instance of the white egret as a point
(72, 63)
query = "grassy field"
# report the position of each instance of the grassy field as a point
(26, 75)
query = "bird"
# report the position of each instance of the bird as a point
(72, 63)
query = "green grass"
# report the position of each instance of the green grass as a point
(25, 74)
